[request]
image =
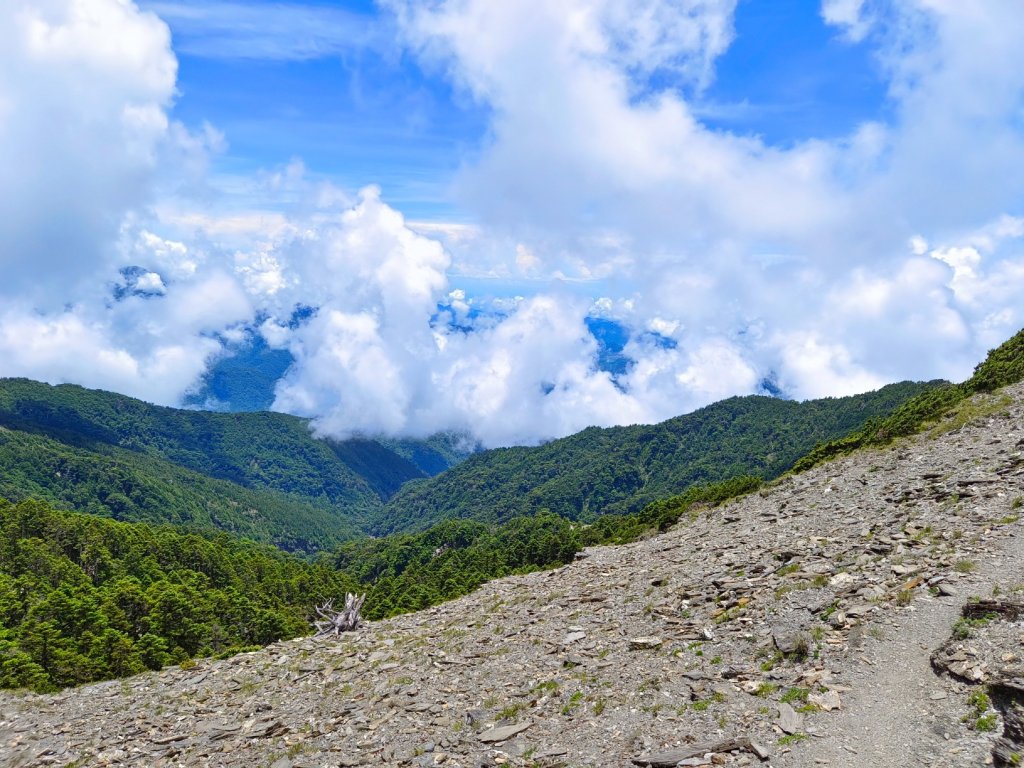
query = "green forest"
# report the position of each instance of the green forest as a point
(85, 598)
(621, 469)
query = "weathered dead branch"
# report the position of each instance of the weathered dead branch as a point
(332, 622)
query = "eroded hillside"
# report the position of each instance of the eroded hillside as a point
(799, 620)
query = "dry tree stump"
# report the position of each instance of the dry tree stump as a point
(332, 622)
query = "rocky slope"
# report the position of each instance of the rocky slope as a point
(795, 626)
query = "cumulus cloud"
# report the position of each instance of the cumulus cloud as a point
(829, 266)
(794, 257)
(85, 86)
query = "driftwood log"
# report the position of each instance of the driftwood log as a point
(332, 622)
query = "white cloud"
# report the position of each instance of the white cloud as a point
(108, 72)
(849, 15)
(221, 29)
(833, 266)
(70, 347)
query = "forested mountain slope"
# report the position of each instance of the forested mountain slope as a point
(84, 598)
(260, 475)
(621, 469)
(128, 485)
(257, 450)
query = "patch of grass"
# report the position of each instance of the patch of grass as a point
(510, 711)
(702, 705)
(818, 582)
(547, 686)
(969, 410)
(764, 690)
(795, 694)
(650, 684)
(769, 664)
(981, 718)
(965, 566)
(964, 628)
(728, 615)
(986, 723)
(574, 701)
(792, 738)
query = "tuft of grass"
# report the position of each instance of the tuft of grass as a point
(965, 566)
(573, 702)
(792, 738)
(795, 694)
(510, 711)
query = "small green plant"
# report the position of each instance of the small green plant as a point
(986, 723)
(792, 738)
(716, 660)
(981, 718)
(965, 566)
(599, 706)
(769, 664)
(1017, 502)
(650, 684)
(904, 597)
(573, 702)
(546, 686)
(510, 711)
(964, 628)
(792, 695)
(764, 690)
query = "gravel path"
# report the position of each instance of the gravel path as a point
(899, 712)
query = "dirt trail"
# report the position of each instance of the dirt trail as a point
(899, 712)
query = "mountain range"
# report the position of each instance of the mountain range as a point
(266, 476)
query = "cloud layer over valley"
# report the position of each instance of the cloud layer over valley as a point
(825, 265)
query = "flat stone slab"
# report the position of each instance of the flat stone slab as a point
(503, 733)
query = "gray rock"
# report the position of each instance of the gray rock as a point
(644, 643)
(792, 641)
(790, 721)
(503, 733)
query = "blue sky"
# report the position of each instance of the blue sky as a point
(825, 194)
(359, 110)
